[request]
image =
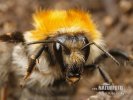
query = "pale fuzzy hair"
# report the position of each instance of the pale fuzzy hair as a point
(75, 57)
(45, 75)
(95, 51)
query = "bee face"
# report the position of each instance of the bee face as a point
(65, 41)
(72, 64)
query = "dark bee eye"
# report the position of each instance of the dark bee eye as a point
(86, 50)
(58, 54)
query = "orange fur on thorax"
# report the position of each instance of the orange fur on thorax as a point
(49, 23)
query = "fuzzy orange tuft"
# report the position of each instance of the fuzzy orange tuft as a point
(50, 22)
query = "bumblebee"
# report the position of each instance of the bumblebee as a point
(62, 45)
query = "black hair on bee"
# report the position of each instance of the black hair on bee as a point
(13, 37)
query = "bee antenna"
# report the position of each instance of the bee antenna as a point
(86, 45)
(107, 53)
(102, 49)
(51, 41)
(32, 62)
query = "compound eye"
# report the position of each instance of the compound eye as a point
(86, 49)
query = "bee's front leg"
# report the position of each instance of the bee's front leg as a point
(102, 72)
(104, 75)
(32, 62)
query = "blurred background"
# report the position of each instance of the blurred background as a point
(114, 18)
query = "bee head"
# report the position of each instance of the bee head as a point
(70, 52)
(72, 59)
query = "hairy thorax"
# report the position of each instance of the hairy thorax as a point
(43, 73)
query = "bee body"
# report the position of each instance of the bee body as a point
(63, 48)
(72, 28)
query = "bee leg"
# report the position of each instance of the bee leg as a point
(104, 75)
(116, 53)
(32, 63)
(3, 95)
(106, 78)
